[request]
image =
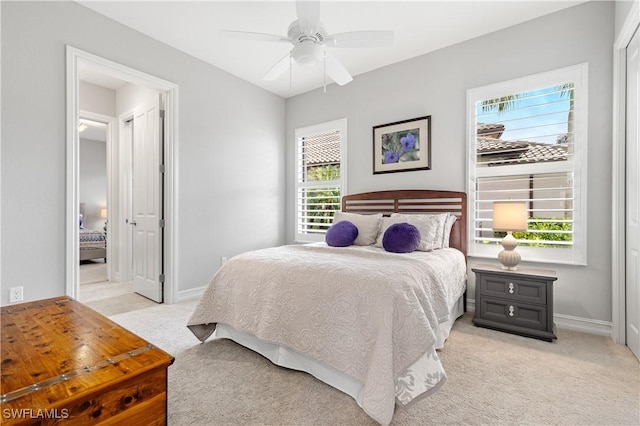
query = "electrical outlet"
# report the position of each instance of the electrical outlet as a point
(16, 294)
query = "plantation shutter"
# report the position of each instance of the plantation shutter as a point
(526, 140)
(549, 199)
(319, 181)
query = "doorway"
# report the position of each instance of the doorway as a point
(94, 131)
(117, 216)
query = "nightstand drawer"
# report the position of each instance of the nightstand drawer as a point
(520, 290)
(519, 314)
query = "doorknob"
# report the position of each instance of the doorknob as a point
(133, 222)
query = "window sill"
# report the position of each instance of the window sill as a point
(527, 260)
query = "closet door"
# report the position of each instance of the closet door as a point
(147, 200)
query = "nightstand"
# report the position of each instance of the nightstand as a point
(519, 302)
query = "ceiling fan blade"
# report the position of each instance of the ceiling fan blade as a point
(278, 69)
(337, 71)
(360, 39)
(308, 15)
(247, 35)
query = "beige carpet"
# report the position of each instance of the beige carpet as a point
(494, 378)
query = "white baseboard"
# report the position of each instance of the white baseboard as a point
(191, 294)
(586, 325)
(471, 305)
(568, 322)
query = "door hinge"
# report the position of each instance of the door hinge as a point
(161, 113)
(161, 223)
(161, 278)
(162, 168)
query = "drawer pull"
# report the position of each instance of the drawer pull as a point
(510, 288)
(511, 309)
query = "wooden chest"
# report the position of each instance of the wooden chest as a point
(63, 363)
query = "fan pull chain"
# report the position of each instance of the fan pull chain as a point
(290, 73)
(324, 77)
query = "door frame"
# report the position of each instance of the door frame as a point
(618, 248)
(74, 57)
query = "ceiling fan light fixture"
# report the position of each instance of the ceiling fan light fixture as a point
(307, 54)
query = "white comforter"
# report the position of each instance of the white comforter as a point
(363, 311)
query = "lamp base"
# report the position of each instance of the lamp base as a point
(509, 268)
(509, 257)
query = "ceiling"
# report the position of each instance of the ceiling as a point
(94, 130)
(419, 27)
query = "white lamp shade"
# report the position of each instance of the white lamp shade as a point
(509, 216)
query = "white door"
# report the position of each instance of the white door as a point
(632, 195)
(147, 199)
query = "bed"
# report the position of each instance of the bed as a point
(363, 320)
(93, 243)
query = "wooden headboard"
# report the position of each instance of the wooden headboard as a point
(419, 201)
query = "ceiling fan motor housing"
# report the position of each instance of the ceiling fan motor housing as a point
(308, 50)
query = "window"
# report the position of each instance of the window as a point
(527, 142)
(320, 177)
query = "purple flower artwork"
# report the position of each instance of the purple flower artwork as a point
(401, 146)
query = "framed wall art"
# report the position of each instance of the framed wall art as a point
(402, 146)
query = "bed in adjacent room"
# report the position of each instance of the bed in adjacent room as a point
(366, 317)
(93, 243)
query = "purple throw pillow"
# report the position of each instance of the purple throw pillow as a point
(341, 234)
(401, 238)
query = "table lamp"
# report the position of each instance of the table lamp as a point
(103, 215)
(509, 216)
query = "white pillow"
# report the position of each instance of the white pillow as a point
(426, 225)
(368, 226)
(448, 226)
(439, 218)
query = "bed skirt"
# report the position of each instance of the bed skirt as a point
(289, 358)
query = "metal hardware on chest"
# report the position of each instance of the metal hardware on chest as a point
(511, 309)
(511, 288)
(10, 396)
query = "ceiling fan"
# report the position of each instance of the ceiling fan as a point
(310, 40)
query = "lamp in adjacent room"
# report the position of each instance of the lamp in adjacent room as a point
(103, 215)
(509, 216)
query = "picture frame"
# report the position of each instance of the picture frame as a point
(402, 146)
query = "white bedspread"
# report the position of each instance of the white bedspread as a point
(363, 311)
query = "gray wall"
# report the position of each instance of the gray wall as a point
(231, 152)
(230, 147)
(435, 84)
(622, 10)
